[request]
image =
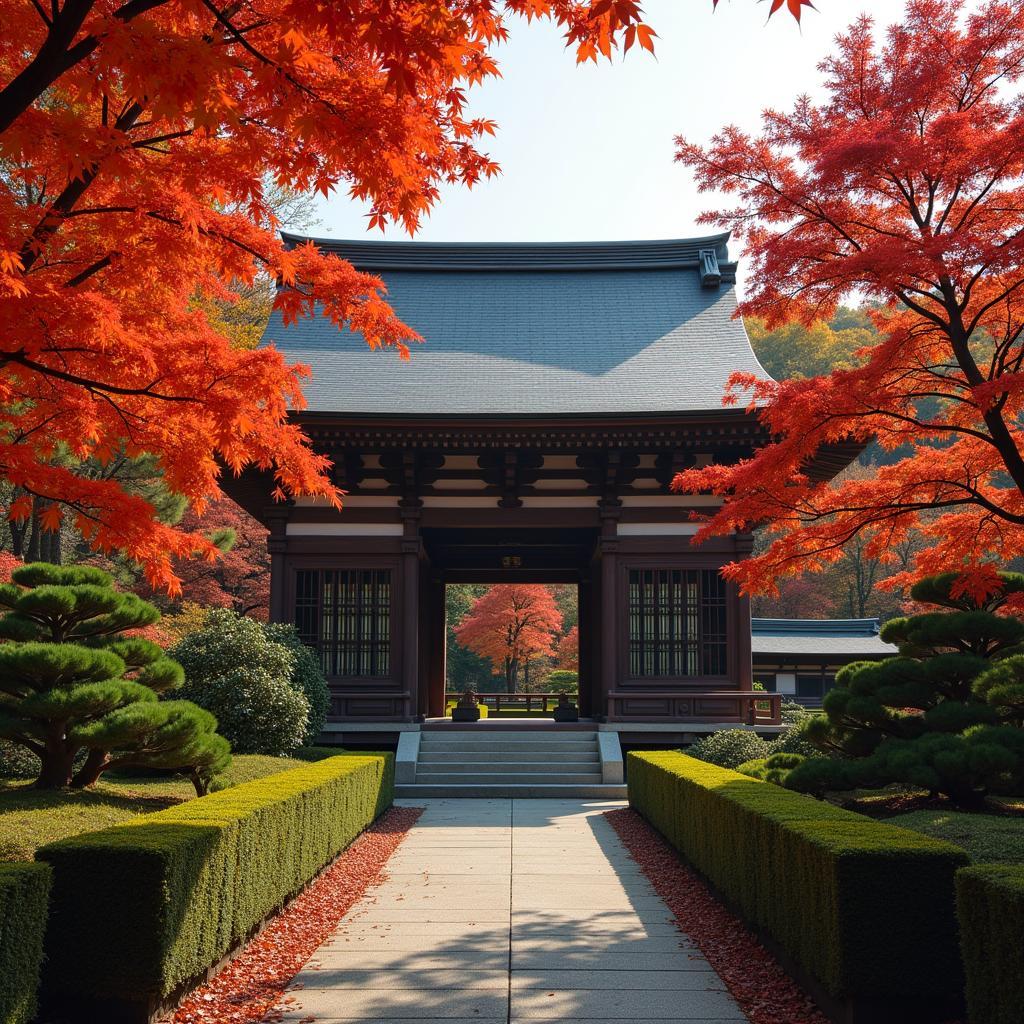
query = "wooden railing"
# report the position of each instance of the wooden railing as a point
(743, 707)
(740, 707)
(546, 701)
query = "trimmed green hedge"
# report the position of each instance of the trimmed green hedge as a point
(865, 908)
(24, 895)
(142, 909)
(990, 906)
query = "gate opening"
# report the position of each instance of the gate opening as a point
(516, 645)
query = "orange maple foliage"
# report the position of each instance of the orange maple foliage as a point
(567, 655)
(136, 141)
(8, 563)
(511, 623)
(903, 185)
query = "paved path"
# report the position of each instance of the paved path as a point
(500, 911)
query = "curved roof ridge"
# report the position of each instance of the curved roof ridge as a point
(373, 254)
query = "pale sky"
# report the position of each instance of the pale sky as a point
(586, 152)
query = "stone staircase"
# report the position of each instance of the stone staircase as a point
(486, 762)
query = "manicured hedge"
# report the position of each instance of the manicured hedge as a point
(142, 909)
(24, 894)
(866, 909)
(990, 906)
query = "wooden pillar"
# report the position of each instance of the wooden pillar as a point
(744, 674)
(432, 643)
(609, 510)
(587, 628)
(410, 513)
(439, 666)
(740, 648)
(276, 519)
(425, 641)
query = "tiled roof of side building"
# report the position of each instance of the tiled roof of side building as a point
(839, 637)
(545, 329)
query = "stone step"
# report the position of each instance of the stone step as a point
(483, 762)
(506, 791)
(493, 766)
(489, 746)
(499, 745)
(513, 775)
(486, 735)
(506, 754)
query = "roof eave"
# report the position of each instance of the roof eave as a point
(663, 253)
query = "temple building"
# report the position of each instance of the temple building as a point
(532, 437)
(799, 658)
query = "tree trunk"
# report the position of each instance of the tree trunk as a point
(511, 674)
(18, 533)
(50, 547)
(32, 552)
(199, 783)
(95, 765)
(55, 770)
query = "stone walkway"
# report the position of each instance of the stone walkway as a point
(498, 911)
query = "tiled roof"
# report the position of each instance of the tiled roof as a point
(840, 637)
(617, 327)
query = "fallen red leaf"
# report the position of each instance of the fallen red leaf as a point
(763, 990)
(253, 983)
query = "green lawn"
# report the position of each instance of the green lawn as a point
(985, 837)
(30, 818)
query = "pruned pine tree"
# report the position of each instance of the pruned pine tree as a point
(943, 715)
(74, 682)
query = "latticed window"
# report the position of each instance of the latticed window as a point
(345, 616)
(677, 622)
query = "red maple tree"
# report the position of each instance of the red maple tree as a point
(137, 140)
(510, 624)
(240, 578)
(567, 654)
(903, 185)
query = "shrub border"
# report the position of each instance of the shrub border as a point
(842, 899)
(990, 908)
(249, 988)
(142, 911)
(24, 902)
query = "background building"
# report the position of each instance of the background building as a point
(799, 657)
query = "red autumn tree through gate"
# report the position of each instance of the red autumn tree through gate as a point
(511, 623)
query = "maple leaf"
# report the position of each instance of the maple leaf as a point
(20, 509)
(793, 6)
(50, 517)
(568, 651)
